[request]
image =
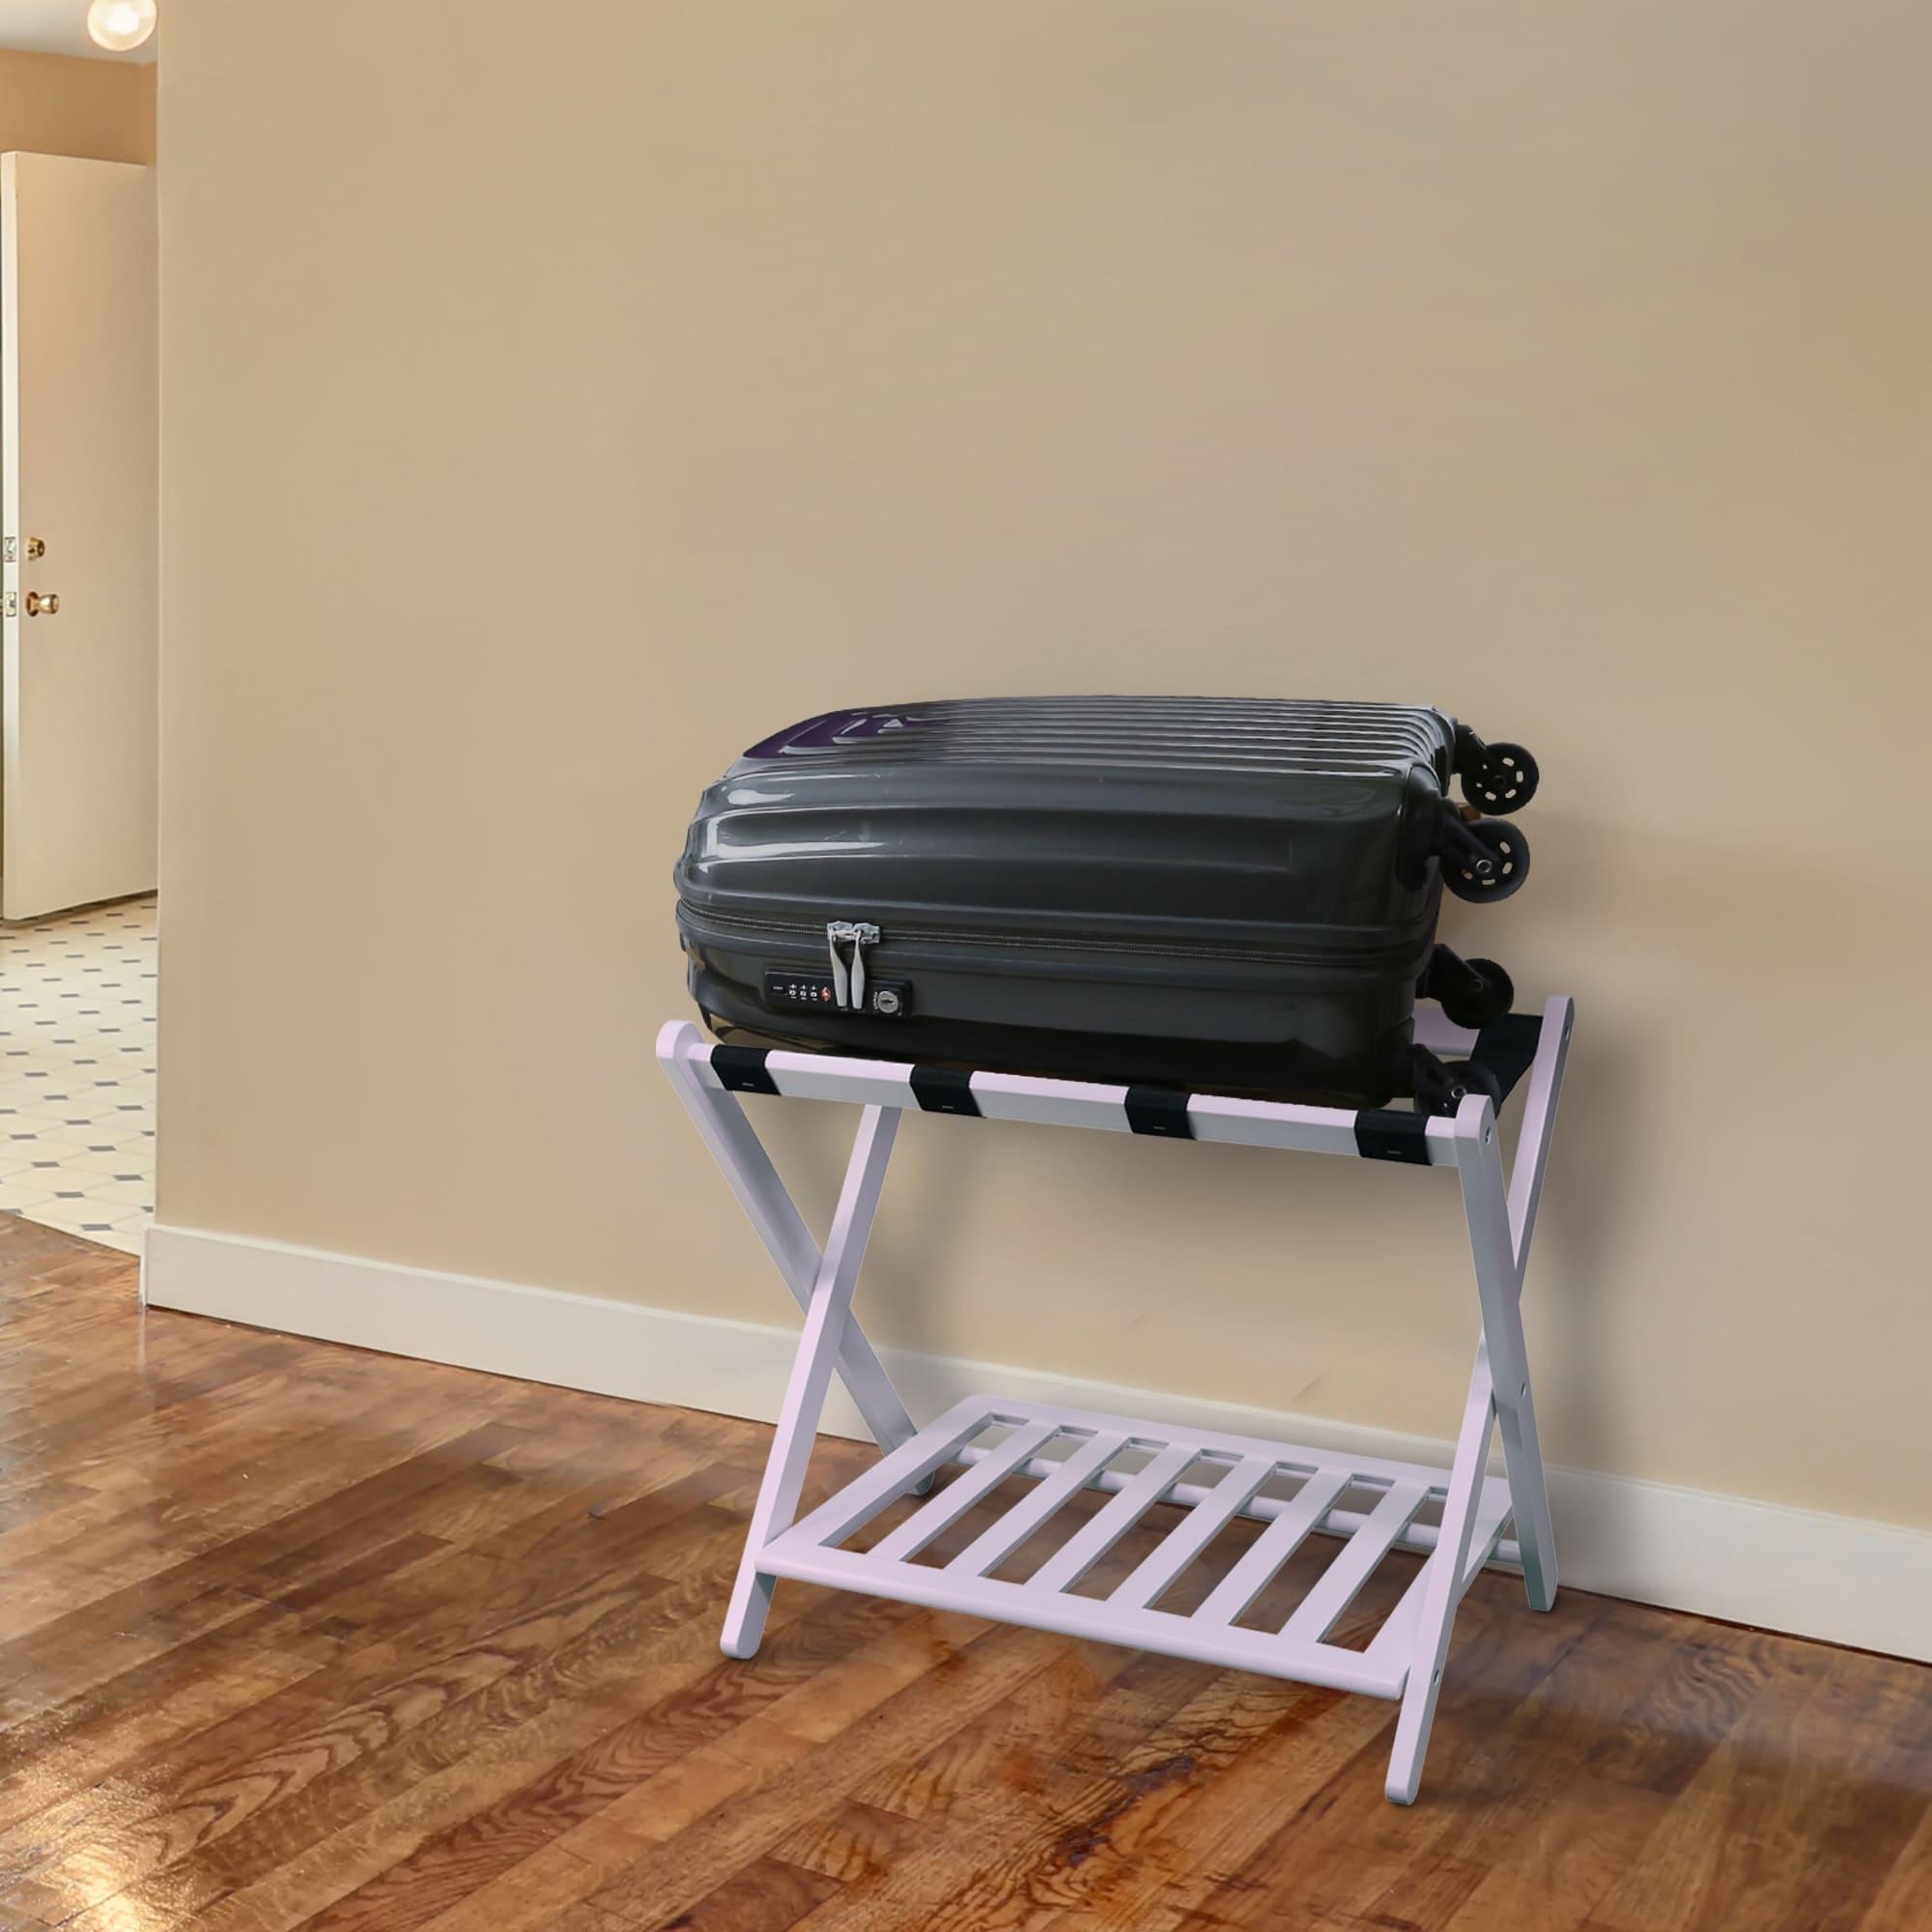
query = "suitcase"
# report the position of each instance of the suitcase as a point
(1219, 893)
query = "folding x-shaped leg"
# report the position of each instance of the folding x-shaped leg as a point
(822, 1284)
(1405, 1657)
(1500, 1226)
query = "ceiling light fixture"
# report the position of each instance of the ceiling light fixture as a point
(120, 25)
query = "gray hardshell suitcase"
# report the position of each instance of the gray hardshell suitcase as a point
(1212, 892)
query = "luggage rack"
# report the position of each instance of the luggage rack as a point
(1293, 1491)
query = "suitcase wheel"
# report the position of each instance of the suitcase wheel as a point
(1502, 779)
(1472, 992)
(1476, 1078)
(1484, 859)
(1440, 1086)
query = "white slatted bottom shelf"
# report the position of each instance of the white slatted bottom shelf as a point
(1213, 1479)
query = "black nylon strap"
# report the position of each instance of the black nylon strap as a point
(1159, 1109)
(1385, 1133)
(1507, 1047)
(944, 1090)
(741, 1070)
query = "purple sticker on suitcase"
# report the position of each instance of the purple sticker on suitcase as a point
(831, 729)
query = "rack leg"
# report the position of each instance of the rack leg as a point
(1442, 1588)
(827, 1317)
(722, 1125)
(1500, 1286)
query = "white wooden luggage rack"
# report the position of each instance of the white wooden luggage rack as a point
(1142, 1464)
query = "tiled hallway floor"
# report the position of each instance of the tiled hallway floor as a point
(78, 1072)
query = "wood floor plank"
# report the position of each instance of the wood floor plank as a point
(144, 1543)
(311, 1886)
(768, 1895)
(1082, 1721)
(1611, 1659)
(751, 1807)
(1796, 1774)
(251, 1814)
(211, 1586)
(714, 1699)
(321, 1627)
(852, 1842)
(1035, 1848)
(294, 1635)
(1327, 1857)
(1903, 1901)
(586, 1918)
(1571, 1851)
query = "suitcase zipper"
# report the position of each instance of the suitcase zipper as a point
(849, 983)
(849, 987)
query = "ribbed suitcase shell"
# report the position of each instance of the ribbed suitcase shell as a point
(1213, 892)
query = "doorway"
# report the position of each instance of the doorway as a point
(78, 674)
(79, 533)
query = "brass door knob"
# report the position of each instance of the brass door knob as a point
(43, 604)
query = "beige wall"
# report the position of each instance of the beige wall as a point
(101, 110)
(570, 415)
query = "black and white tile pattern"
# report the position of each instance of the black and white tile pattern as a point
(78, 1072)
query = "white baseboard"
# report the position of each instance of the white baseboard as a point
(1832, 1578)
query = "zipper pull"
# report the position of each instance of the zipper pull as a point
(864, 935)
(841, 985)
(849, 987)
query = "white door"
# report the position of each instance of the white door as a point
(79, 449)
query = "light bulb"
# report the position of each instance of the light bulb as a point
(119, 25)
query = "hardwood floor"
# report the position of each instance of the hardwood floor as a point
(292, 1635)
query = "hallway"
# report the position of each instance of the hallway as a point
(78, 1072)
